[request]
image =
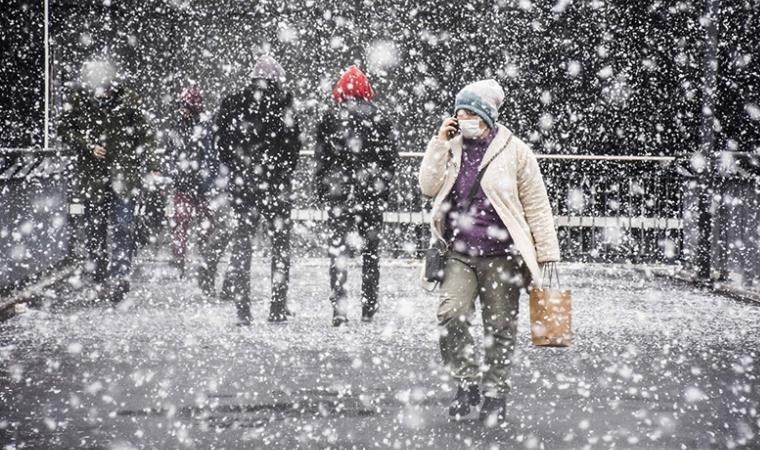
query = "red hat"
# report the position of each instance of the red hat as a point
(353, 84)
(192, 98)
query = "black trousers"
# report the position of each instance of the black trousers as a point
(213, 239)
(342, 221)
(237, 283)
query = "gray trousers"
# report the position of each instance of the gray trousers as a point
(497, 281)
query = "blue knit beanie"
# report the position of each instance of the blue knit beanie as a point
(483, 98)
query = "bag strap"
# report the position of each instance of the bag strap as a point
(552, 272)
(474, 189)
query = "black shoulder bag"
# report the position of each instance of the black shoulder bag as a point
(437, 254)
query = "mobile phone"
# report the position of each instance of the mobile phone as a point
(456, 129)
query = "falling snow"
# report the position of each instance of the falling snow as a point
(205, 133)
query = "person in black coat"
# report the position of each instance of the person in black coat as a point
(356, 157)
(105, 124)
(258, 139)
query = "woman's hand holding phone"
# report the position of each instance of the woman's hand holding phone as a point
(449, 129)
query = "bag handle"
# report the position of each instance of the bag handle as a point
(553, 272)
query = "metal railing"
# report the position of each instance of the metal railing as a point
(607, 208)
(721, 222)
(35, 225)
(617, 209)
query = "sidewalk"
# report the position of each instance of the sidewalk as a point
(655, 364)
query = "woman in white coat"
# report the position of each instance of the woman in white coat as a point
(498, 234)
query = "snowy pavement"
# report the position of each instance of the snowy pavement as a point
(655, 364)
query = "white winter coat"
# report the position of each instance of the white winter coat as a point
(512, 183)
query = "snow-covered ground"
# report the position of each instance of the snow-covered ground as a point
(655, 364)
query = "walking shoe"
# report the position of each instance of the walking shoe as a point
(339, 318)
(368, 312)
(467, 396)
(179, 264)
(277, 312)
(244, 315)
(99, 277)
(228, 290)
(494, 411)
(206, 281)
(117, 291)
(340, 312)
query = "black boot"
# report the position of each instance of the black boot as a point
(467, 396)
(228, 290)
(206, 281)
(339, 317)
(117, 290)
(179, 264)
(278, 312)
(494, 411)
(243, 313)
(368, 312)
(340, 313)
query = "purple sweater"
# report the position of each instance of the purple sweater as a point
(480, 232)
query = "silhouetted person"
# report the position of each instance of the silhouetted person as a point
(356, 162)
(258, 140)
(193, 165)
(104, 123)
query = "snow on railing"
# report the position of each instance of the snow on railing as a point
(602, 203)
(28, 163)
(544, 156)
(310, 153)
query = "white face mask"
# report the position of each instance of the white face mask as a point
(470, 128)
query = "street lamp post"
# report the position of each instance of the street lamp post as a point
(46, 131)
(706, 173)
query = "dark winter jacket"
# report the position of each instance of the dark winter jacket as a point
(258, 139)
(191, 160)
(356, 156)
(117, 123)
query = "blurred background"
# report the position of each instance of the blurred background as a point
(582, 77)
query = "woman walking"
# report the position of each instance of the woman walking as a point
(491, 210)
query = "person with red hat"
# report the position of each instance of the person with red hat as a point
(356, 157)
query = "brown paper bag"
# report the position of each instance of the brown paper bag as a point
(550, 316)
